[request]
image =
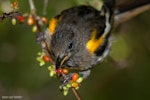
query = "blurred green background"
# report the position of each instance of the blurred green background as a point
(20, 74)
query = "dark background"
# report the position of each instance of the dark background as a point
(20, 74)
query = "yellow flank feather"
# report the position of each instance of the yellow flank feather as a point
(93, 44)
(52, 25)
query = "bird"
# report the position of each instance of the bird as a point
(79, 37)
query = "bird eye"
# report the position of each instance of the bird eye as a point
(70, 45)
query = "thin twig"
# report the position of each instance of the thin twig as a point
(34, 15)
(76, 94)
(10, 14)
(32, 6)
(123, 17)
(45, 7)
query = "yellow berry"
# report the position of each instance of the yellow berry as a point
(65, 92)
(74, 84)
(68, 85)
(13, 21)
(77, 88)
(65, 88)
(34, 29)
(80, 79)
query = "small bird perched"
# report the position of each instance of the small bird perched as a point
(79, 38)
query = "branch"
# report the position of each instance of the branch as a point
(34, 15)
(10, 15)
(123, 17)
(32, 6)
(76, 94)
(45, 7)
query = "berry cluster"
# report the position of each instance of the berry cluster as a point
(32, 19)
(75, 80)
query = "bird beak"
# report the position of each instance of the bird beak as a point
(60, 61)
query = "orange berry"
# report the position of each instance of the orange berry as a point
(46, 58)
(15, 4)
(75, 76)
(45, 20)
(30, 20)
(65, 71)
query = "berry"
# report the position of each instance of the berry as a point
(59, 71)
(75, 84)
(65, 71)
(13, 21)
(30, 20)
(45, 20)
(20, 18)
(15, 4)
(75, 76)
(46, 58)
(34, 29)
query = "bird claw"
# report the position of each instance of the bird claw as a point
(39, 37)
(66, 79)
